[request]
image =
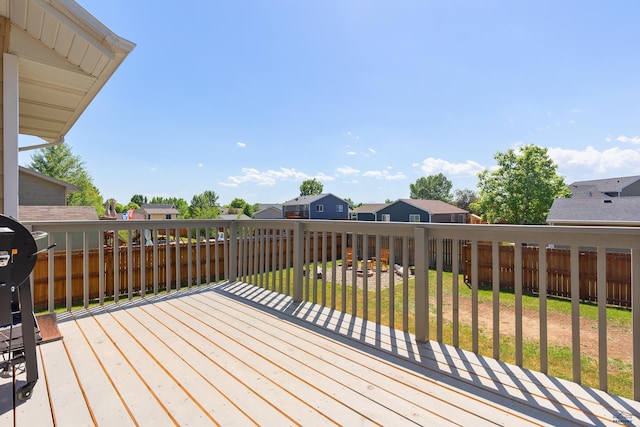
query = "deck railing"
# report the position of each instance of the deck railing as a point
(308, 260)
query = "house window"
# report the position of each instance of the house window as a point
(168, 216)
(414, 218)
(339, 208)
(386, 217)
(319, 208)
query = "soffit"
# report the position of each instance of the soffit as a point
(65, 56)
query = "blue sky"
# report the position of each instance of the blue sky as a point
(249, 98)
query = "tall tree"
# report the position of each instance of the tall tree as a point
(522, 189)
(139, 199)
(310, 187)
(240, 205)
(433, 187)
(204, 205)
(59, 162)
(464, 198)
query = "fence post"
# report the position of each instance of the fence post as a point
(298, 256)
(233, 252)
(422, 284)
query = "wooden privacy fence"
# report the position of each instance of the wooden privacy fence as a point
(618, 266)
(41, 271)
(159, 265)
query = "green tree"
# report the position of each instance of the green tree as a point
(522, 188)
(204, 205)
(433, 187)
(58, 162)
(465, 198)
(139, 199)
(310, 187)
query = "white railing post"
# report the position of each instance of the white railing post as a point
(422, 284)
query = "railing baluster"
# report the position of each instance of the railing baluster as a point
(439, 298)
(51, 276)
(207, 249)
(405, 284)
(189, 259)
(602, 316)
(344, 270)
(635, 318)
(421, 285)
(298, 254)
(69, 271)
(455, 303)
(392, 279)
(129, 266)
(143, 264)
(495, 271)
(379, 279)
(307, 266)
(155, 261)
(517, 266)
(575, 312)
(324, 269)
(85, 269)
(178, 268)
(474, 296)
(198, 257)
(365, 276)
(542, 295)
(167, 259)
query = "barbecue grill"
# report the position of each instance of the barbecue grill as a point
(19, 333)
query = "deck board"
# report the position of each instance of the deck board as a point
(234, 354)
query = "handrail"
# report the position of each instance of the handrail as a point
(304, 258)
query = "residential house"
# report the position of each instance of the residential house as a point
(317, 206)
(418, 210)
(37, 189)
(627, 186)
(268, 212)
(367, 212)
(156, 211)
(610, 201)
(611, 211)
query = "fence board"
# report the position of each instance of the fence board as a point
(558, 272)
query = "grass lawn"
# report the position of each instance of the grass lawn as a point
(559, 357)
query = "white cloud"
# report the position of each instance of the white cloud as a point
(576, 110)
(347, 170)
(266, 178)
(431, 166)
(241, 144)
(613, 161)
(351, 153)
(371, 150)
(632, 140)
(200, 165)
(323, 177)
(384, 174)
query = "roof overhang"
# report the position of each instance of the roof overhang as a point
(65, 56)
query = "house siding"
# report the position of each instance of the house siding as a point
(401, 211)
(631, 190)
(366, 216)
(38, 192)
(329, 205)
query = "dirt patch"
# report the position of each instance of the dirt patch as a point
(559, 331)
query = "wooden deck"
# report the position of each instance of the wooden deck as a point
(234, 354)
